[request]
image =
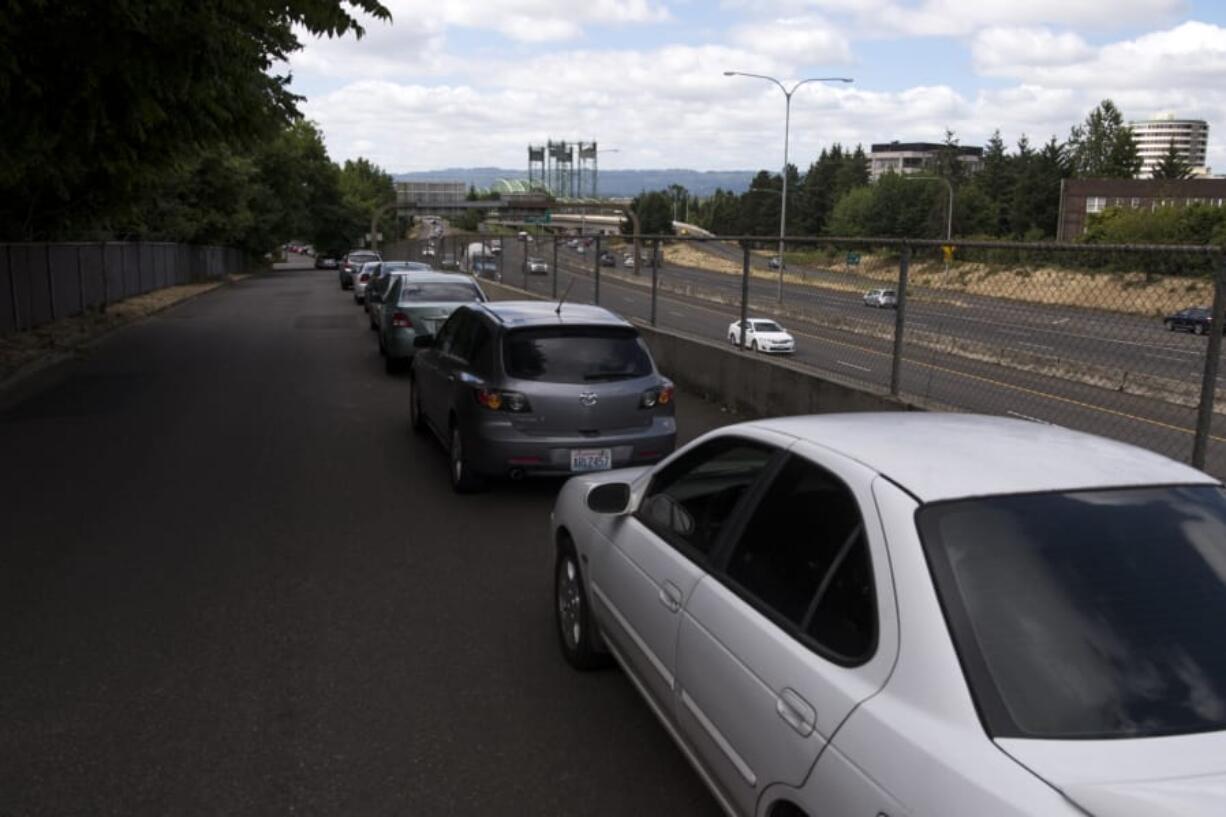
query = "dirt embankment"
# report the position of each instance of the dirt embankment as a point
(1136, 293)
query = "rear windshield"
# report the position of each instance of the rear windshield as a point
(417, 265)
(573, 354)
(1088, 614)
(439, 292)
(362, 257)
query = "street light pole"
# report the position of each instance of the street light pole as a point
(949, 210)
(787, 123)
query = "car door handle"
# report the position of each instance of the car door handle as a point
(796, 712)
(670, 596)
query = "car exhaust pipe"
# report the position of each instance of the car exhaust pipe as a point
(516, 474)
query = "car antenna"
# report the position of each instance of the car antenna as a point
(562, 300)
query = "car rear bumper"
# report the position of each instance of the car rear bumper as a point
(499, 449)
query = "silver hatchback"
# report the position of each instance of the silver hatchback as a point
(517, 388)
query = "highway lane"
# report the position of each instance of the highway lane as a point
(938, 379)
(232, 581)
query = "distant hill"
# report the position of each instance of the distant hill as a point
(612, 182)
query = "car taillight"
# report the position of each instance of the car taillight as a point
(401, 321)
(659, 396)
(496, 400)
(364, 277)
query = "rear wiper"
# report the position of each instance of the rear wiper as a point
(610, 375)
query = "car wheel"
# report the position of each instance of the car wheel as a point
(732, 339)
(463, 480)
(391, 365)
(1170, 326)
(415, 419)
(571, 612)
(753, 347)
(1198, 329)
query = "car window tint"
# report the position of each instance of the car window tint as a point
(439, 292)
(1094, 614)
(575, 354)
(690, 501)
(471, 335)
(443, 340)
(803, 555)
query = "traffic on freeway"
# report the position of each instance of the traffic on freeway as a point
(835, 333)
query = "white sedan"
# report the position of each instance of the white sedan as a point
(921, 614)
(763, 336)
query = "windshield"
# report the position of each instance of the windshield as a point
(575, 354)
(1087, 614)
(417, 265)
(439, 292)
(767, 326)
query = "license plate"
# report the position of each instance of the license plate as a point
(591, 459)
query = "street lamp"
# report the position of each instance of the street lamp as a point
(787, 120)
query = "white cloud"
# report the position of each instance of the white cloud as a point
(998, 51)
(801, 40)
(409, 100)
(962, 17)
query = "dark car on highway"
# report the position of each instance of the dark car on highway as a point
(524, 388)
(1196, 319)
(608, 259)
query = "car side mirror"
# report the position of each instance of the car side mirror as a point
(423, 341)
(610, 498)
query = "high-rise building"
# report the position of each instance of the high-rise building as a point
(1155, 136)
(917, 157)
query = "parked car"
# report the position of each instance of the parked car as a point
(536, 266)
(607, 259)
(774, 262)
(1196, 320)
(361, 279)
(352, 261)
(495, 246)
(524, 388)
(428, 252)
(628, 259)
(881, 298)
(325, 262)
(417, 304)
(384, 276)
(449, 262)
(928, 614)
(763, 336)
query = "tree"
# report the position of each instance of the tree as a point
(1172, 166)
(948, 164)
(1034, 209)
(655, 213)
(995, 181)
(101, 100)
(1103, 147)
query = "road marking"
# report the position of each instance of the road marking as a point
(1016, 332)
(1028, 417)
(988, 380)
(853, 366)
(1060, 322)
(1035, 345)
(676, 314)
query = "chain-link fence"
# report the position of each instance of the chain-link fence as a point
(1114, 340)
(42, 282)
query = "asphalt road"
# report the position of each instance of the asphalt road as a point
(232, 581)
(943, 380)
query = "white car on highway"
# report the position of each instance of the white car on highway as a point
(922, 614)
(881, 298)
(763, 336)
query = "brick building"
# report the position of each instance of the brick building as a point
(1081, 197)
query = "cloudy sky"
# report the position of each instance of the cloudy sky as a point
(465, 83)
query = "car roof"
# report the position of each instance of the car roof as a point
(433, 276)
(937, 456)
(518, 314)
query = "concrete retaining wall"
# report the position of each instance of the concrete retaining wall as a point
(749, 383)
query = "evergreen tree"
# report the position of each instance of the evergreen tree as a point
(1103, 147)
(995, 182)
(1172, 166)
